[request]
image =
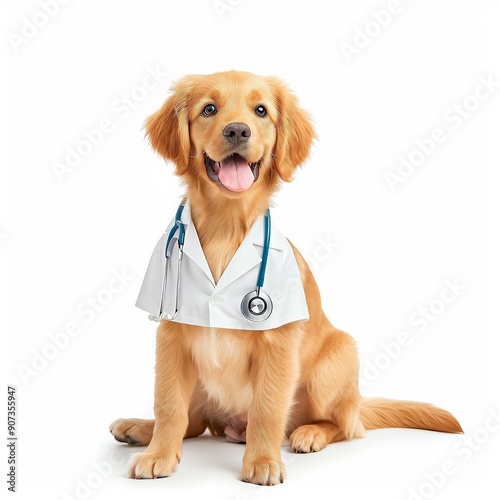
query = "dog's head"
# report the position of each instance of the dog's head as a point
(232, 132)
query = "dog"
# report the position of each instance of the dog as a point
(298, 381)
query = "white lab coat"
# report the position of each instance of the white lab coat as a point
(204, 303)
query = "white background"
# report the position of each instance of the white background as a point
(61, 239)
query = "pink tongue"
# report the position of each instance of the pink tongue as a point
(235, 174)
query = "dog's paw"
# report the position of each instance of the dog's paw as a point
(308, 438)
(133, 431)
(152, 466)
(264, 471)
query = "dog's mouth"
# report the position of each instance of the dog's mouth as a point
(233, 172)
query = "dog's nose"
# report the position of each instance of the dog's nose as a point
(237, 133)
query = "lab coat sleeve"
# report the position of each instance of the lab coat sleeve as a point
(150, 293)
(287, 291)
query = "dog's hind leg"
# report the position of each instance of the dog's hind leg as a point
(319, 433)
(134, 431)
(328, 402)
(138, 432)
(314, 437)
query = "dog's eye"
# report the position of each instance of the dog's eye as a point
(260, 111)
(209, 110)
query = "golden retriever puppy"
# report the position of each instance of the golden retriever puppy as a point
(234, 137)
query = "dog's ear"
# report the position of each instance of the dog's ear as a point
(295, 132)
(168, 128)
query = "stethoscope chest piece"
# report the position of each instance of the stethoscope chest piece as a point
(256, 305)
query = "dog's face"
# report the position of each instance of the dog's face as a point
(231, 133)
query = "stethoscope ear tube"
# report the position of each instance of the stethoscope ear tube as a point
(178, 226)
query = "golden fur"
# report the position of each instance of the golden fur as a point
(299, 380)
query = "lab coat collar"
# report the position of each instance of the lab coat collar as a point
(247, 256)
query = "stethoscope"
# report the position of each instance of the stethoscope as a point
(255, 305)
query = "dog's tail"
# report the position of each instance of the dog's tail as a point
(378, 413)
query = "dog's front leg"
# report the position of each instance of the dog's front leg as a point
(274, 373)
(175, 380)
